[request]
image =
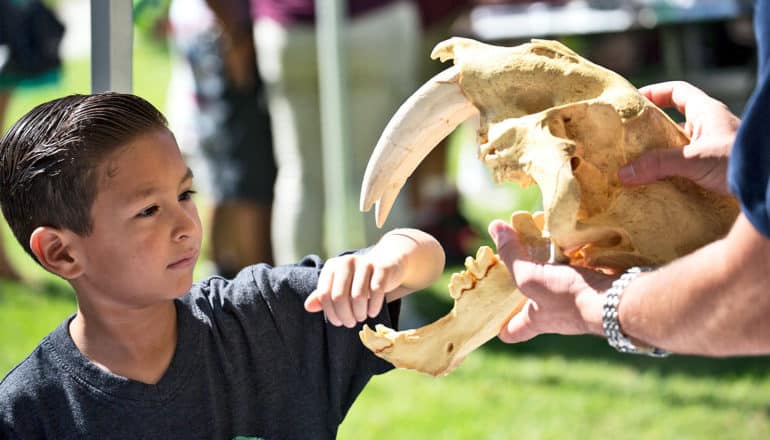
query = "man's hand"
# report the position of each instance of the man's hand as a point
(711, 127)
(354, 286)
(562, 299)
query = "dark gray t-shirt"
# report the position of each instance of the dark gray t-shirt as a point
(249, 361)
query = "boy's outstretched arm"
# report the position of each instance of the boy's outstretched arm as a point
(352, 287)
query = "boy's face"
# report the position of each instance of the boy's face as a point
(146, 231)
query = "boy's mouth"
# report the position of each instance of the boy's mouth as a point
(188, 260)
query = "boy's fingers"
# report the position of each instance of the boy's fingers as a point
(312, 303)
(325, 279)
(340, 296)
(378, 279)
(359, 293)
(331, 314)
(377, 291)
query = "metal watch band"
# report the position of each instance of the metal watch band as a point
(615, 336)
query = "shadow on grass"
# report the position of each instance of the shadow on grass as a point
(434, 303)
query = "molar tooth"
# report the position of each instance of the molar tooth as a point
(485, 257)
(472, 266)
(539, 218)
(458, 283)
(524, 224)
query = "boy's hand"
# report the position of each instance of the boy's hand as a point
(354, 286)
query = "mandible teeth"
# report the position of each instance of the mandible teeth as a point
(382, 329)
(458, 283)
(485, 258)
(472, 267)
(479, 266)
(378, 340)
(539, 218)
(525, 224)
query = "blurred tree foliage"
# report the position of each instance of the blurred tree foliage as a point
(151, 20)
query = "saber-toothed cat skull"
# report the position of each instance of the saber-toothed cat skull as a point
(551, 117)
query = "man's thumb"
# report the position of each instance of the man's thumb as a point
(500, 233)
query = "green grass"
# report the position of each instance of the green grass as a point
(556, 387)
(550, 388)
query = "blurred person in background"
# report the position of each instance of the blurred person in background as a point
(382, 38)
(30, 36)
(218, 108)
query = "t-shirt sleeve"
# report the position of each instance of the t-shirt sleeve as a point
(331, 359)
(749, 165)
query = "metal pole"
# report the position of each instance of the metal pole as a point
(111, 45)
(343, 223)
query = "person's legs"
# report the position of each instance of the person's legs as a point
(228, 144)
(287, 63)
(240, 230)
(238, 235)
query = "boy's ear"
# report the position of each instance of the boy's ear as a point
(52, 248)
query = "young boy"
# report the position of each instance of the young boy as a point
(95, 188)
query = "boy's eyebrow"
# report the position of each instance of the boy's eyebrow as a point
(149, 190)
(187, 175)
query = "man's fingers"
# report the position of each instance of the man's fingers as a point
(506, 241)
(654, 165)
(518, 329)
(676, 94)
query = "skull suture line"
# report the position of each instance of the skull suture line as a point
(551, 117)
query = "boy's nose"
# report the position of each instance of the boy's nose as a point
(187, 224)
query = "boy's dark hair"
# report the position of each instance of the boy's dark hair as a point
(49, 158)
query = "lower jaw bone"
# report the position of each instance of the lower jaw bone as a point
(485, 298)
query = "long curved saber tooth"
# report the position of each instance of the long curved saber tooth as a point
(422, 121)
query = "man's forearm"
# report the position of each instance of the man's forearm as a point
(714, 301)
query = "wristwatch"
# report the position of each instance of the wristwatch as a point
(615, 336)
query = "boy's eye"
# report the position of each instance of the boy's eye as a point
(149, 212)
(187, 195)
